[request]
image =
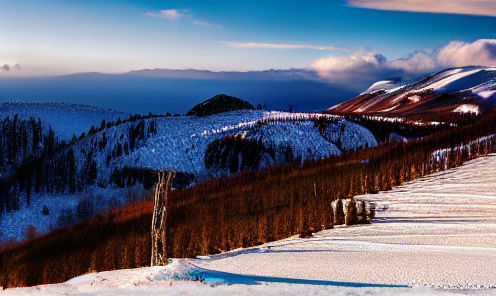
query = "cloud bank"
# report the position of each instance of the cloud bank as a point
(374, 66)
(282, 46)
(472, 7)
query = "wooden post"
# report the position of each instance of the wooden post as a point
(159, 222)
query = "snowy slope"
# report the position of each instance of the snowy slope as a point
(303, 138)
(349, 136)
(65, 119)
(180, 142)
(462, 90)
(432, 236)
(384, 85)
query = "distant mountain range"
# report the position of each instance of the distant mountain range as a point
(176, 91)
(272, 74)
(456, 90)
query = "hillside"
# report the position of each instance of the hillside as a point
(457, 90)
(56, 182)
(65, 119)
(220, 104)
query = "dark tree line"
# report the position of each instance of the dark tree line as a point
(36, 161)
(137, 133)
(20, 139)
(235, 154)
(22, 144)
(130, 176)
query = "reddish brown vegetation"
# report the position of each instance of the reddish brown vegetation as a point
(112, 241)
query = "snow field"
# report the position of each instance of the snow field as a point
(65, 119)
(352, 137)
(438, 231)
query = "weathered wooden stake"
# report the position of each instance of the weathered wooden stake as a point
(159, 222)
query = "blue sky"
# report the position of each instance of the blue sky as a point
(54, 37)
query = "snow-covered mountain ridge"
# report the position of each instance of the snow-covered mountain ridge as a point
(461, 90)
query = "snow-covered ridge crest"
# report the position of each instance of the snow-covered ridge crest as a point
(442, 91)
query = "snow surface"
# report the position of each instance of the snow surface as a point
(459, 80)
(434, 235)
(295, 135)
(486, 93)
(181, 142)
(387, 85)
(352, 137)
(467, 108)
(66, 120)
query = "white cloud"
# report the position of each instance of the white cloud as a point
(417, 62)
(457, 53)
(172, 14)
(177, 14)
(472, 7)
(374, 65)
(282, 46)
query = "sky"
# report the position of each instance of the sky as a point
(337, 38)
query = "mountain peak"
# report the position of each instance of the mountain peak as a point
(219, 104)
